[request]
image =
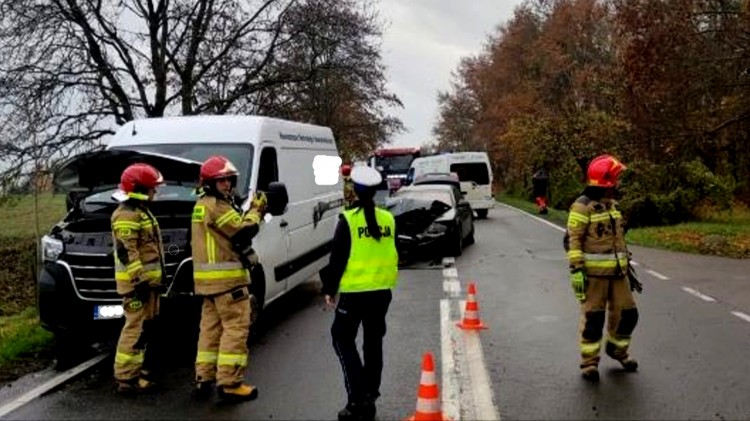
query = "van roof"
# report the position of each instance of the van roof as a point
(223, 129)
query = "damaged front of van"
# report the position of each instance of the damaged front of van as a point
(77, 294)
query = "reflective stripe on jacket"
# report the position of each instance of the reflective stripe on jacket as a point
(216, 266)
(138, 250)
(596, 238)
(373, 264)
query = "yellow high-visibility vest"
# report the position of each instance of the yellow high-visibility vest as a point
(373, 264)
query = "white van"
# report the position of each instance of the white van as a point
(473, 170)
(274, 156)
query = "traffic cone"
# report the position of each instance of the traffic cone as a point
(471, 319)
(428, 396)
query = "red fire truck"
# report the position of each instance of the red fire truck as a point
(393, 163)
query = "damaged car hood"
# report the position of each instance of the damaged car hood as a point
(101, 170)
(414, 216)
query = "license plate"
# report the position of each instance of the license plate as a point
(104, 312)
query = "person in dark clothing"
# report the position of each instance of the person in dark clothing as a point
(363, 269)
(540, 183)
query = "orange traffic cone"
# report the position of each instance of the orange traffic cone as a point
(471, 319)
(428, 396)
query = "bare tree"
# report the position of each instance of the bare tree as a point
(90, 65)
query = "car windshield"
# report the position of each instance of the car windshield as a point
(441, 196)
(241, 156)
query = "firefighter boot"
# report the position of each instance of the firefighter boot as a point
(590, 373)
(239, 393)
(203, 390)
(628, 364)
(139, 385)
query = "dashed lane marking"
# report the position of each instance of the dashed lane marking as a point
(742, 315)
(49, 385)
(451, 394)
(657, 275)
(703, 297)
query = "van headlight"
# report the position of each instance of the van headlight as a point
(51, 248)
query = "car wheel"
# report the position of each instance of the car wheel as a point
(482, 213)
(470, 238)
(458, 242)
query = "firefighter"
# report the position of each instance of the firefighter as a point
(349, 196)
(139, 266)
(222, 254)
(598, 258)
(363, 269)
(540, 183)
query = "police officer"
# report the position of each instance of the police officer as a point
(139, 265)
(222, 251)
(349, 196)
(363, 269)
(598, 258)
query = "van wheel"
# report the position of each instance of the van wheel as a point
(257, 298)
(70, 349)
(482, 213)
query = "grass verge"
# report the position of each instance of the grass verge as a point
(24, 344)
(724, 234)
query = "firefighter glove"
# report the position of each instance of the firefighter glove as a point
(260, 202)
(578, 282)
(142, 291)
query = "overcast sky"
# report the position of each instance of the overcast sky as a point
(423, 43)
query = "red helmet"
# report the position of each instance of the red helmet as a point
(604, 170)
(346, 169)
(217, 167)
(140, 175)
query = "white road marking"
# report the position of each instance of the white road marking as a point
(450, 394)
(49, 385)
(478, 381)
(634, 263)
(452, 287)
(449, 261)
(703, 297)
(657, 275)
(450, 273)
(544, 221)
(742, 315)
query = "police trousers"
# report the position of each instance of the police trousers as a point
(613, 297)
(222, 341)
(135, 336)
(361, 378)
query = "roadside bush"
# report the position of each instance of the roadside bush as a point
(17, 274)
(670, 194)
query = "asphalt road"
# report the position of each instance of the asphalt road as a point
(692, 349)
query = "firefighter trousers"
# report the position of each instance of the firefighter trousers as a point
(613, 297)
(362, 380)
(136, 334)
(222, 342)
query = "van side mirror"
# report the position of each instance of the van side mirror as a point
(277, 197)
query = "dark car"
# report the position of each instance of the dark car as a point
(431, 219)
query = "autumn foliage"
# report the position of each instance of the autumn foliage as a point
(662, 84)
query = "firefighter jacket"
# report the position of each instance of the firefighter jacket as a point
(349, 195)
(595, 238)
(373, 264)
(217, 228)
(138, 249)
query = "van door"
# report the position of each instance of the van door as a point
(273, 239)
(475, 180)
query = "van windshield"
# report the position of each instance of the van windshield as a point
(241, 156)
(476, 172)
